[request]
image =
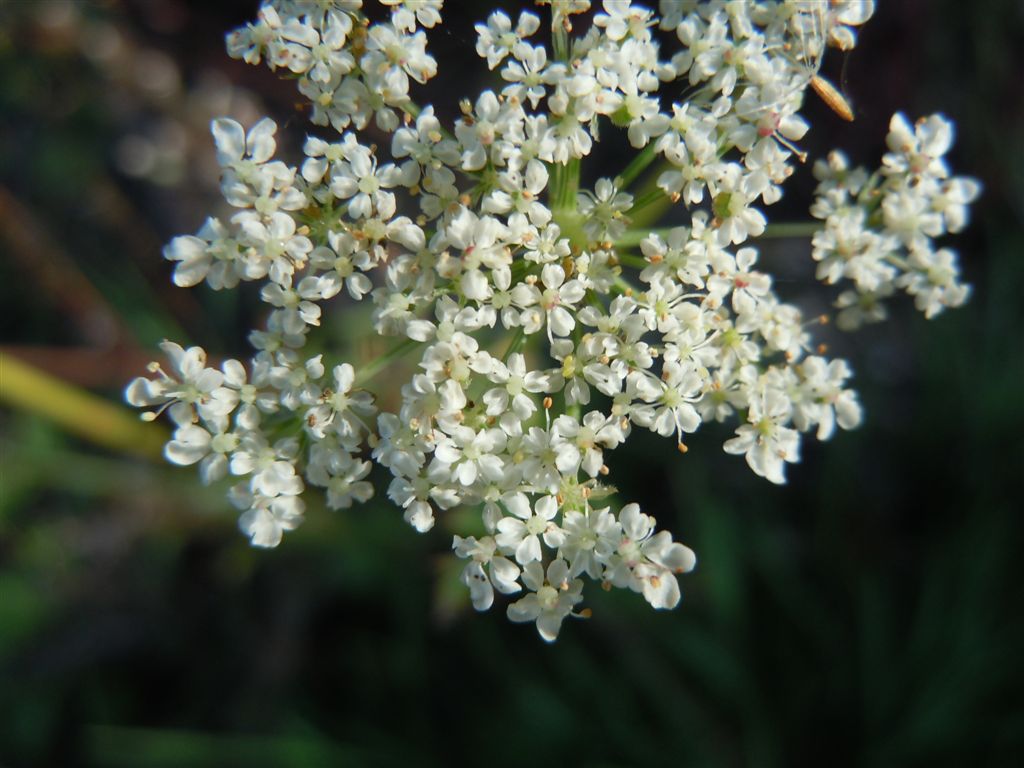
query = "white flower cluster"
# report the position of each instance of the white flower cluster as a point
(880, 229)
(610, 325)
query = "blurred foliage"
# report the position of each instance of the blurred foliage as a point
(869, 613)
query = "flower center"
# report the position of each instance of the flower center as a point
(369, 185)
(547, 596)
(536, 525)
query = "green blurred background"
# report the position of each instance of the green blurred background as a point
(869, 613)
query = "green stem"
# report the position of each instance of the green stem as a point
(575, 410)
(565, 179)
(868, 196)
(792, 229)
(375, 366)
(555, 173)
(78, 411)
(626, 287)
(653, 212)
(636, 166)
(571, 184)
(633, 237)
(651, 202)
(630, 260)
(518, 340)
(564, 184)
(900, 262)
(646, 199)
(560, 42)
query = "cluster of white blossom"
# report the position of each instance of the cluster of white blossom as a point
(880, 228)
(611, 325)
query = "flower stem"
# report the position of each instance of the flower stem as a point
(560, 42)
(79, 412)
(518, 340)
(565, 181)
(625, 287)
(378, 364)
(648, 198)
(631, 260)
(633, 237)
(636, 166)
(792, 229)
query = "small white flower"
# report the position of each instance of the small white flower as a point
(359, 180)
(648, 562)
(266, 518)
(746, 286)
(466, 455)
(732, 193)
(486, 571)
(934, 281)
(340, 408)
(193, 443)
(591, 538)
(497, 39)
(212, 254)
(552, 597)
(406, 14)
(603, 210)
(273, 248)
(918, 149)
(521, 534)
(185, 392)
(765, 440)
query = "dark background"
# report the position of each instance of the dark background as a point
(868, 613)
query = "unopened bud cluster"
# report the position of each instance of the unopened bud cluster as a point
(545, 322)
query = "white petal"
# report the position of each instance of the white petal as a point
(518, 505)
(480, 590)
(528, 550)
(678, 558)
(189, 445)
(230, 140)
(260, 142)
(558, 573)
(504, 574)
(525, 609)
(261, 527)
(548, 624)
(547, 507)
(475, 285)
(661, 590)
(420, 516)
